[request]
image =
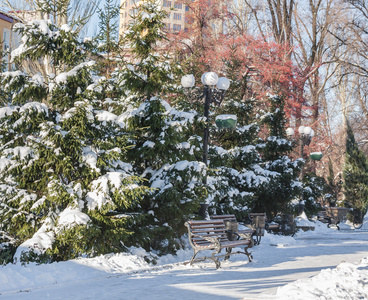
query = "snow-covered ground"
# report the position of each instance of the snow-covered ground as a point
(320, 264)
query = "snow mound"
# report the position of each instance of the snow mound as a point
(346, 281)
(303, 221)
(18, 277)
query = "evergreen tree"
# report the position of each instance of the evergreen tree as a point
(107, 37)
(333, 185)
(65, 186)
(314, 190)
(280, 186)
(152, 72)
(164, 150)
(355, 174)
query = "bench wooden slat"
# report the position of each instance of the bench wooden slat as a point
(211, 234)
(256, 214)
(224, 217)
(209, 222)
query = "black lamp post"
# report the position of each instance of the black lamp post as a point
(305, 137)
(214, 90)
(211, 94)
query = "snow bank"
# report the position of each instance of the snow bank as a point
(17, 277)
(303, 221)
(346, 281)
(365, 222)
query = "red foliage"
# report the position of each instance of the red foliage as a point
(266, 65)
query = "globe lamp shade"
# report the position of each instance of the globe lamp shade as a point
(290, 131)
(210, 78)
(223, 83)
(188, 81)
(307, 130)
(202, 77)
(301, 129)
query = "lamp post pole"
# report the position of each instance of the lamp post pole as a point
(210, 95)
(206, 133)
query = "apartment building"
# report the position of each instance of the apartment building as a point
(174, 22)
(8, 38)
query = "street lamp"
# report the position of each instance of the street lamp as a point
(305, 136)
(211, 94)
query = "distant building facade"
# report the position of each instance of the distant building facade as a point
(174, 22)
(9, 39)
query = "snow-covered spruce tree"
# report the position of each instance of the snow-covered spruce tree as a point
(163, 151)
(107, 37)
(65, 186)
(314, 190)
(355, 174)
(280, 172)
(150, 72)
(333, 186)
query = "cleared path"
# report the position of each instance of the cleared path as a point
(273, 266)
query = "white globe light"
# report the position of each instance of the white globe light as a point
(312, 133)
(223, 83)
(307, 130)
(202, 77)
(210, 78)
(290, 131)
(301, 129)
(188, 81)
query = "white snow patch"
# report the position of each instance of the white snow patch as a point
(303, 221)
(39, 243)
(71, 217)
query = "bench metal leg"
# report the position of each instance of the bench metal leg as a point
(193, 257)
(215, 259)
(250, 257)
(228, 253)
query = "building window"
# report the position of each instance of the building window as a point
(186, 8)
(177, 16)
(6, 46)
(6, 41)
(178, 5)
(167, 3)
(167, 26)
(168, 16)
(176, 27)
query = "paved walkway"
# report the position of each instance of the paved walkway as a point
(273, 266)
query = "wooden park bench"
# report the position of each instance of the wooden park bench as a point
(213, 235)
(325, 216)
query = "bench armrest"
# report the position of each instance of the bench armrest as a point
(246, 236)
